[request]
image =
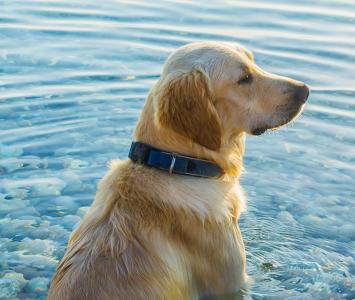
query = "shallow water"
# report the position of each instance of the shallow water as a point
(73, 78)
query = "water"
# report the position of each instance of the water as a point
(73, 78)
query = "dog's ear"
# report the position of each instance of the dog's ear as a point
(185, 106)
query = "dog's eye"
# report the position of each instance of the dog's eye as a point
(247, 78)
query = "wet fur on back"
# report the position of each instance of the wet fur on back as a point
(144, 239)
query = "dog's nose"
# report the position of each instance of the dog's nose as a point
(301, 93)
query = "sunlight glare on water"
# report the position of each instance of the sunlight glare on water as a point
(73, 79)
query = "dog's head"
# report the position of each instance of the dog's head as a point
(210, 92)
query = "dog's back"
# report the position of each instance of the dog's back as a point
(135, 243)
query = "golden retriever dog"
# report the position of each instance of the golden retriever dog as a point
(154, 234)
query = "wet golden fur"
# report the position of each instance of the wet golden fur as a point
(151, 235)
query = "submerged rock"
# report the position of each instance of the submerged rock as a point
(11, 284)
(37, 246)
(70, 222)
(37, 285)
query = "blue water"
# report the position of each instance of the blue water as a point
(73, 78)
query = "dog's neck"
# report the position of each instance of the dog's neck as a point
(229, 157)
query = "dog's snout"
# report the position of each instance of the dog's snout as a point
(301, 93)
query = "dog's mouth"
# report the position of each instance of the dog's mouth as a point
(287, 116)
(259, 130)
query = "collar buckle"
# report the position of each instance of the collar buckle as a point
(172, 164)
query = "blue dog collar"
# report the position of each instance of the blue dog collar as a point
(172, 162)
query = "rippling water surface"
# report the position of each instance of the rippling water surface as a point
(73, 78)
